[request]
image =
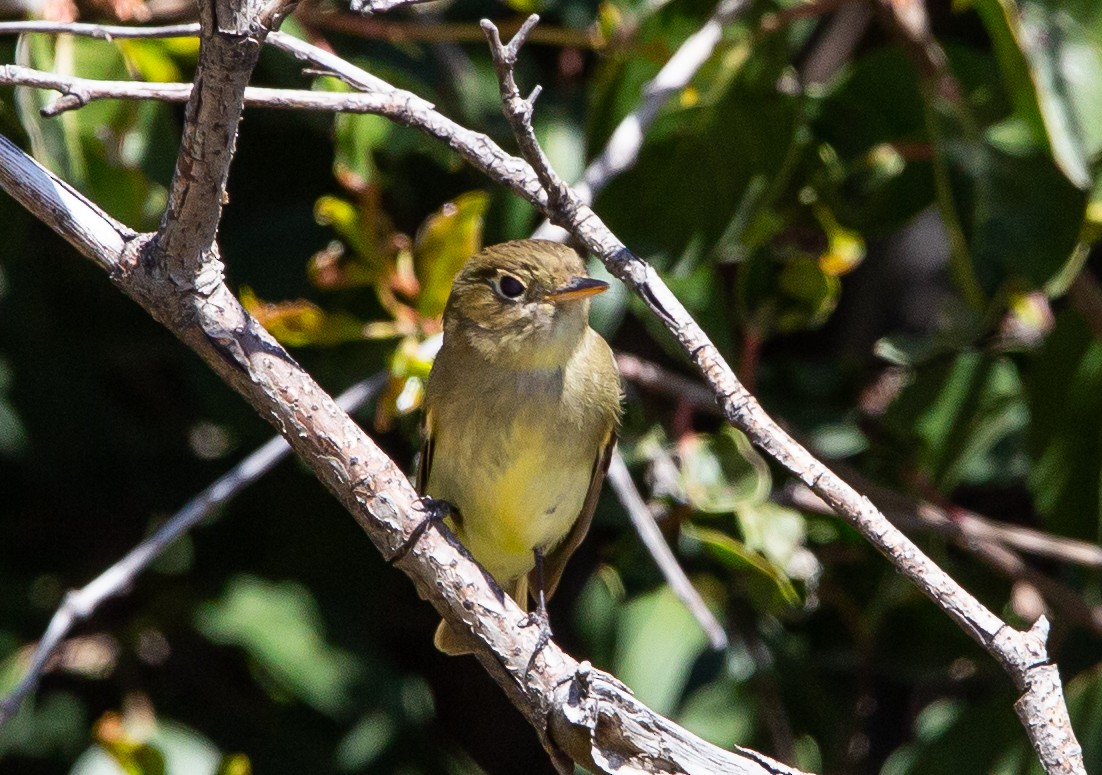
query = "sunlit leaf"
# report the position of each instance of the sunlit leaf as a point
(812, 293)
(181, 750)
(153, 60)
(845, 247)
(280, 628)
(135, 757)
(343, 217)
(444, 242)
(736, 555)
(720, 471)
(302, 323)
(109, 149)
(657, 642)
(780, 534)
(235, 764)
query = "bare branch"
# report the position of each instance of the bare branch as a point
(431, 30)
(102, 31)
(380, 6)
(1022, 654)
(620, 479)
(230, 40)
(80, 604)
(77, 92)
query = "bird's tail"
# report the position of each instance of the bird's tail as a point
(455, 644)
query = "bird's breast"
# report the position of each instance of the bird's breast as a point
(516, 461)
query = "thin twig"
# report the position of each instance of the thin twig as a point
(78, 605)
(433, 31)
(620, 479)
(381, 6)
(78, 92)
(100, 31)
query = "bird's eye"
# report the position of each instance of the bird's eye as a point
(510, 287)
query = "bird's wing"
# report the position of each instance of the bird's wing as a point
(555, 562)
(424, 463)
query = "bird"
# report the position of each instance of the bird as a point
(521, 411)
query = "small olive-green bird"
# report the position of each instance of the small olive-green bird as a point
(521, 411)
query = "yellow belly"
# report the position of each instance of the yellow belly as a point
(524, 493)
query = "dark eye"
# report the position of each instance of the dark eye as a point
(510, 287)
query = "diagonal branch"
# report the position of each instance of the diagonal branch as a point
(1023, 655)
(619, 478)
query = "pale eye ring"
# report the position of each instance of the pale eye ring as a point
(509, 287)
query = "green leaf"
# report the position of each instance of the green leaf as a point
(366, 741)
(721, 471)
(657, 642)
(1020, 215)
(172, 747)
(738, 556)
(780, 534)
(301, 323)
(444, 243)
(965, 416)
(1065, 439)
(53, 723)
(721, 712)
(1084, 693)
(1051, 55)
(279, 626)
(811, 293)
(344, 218)
(112, 150)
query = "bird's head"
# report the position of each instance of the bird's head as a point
(523, 303)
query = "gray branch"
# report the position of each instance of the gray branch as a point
(620, 479)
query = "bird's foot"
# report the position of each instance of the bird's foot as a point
(435, 511)
(538, 619)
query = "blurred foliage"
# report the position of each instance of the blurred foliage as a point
(901, 261)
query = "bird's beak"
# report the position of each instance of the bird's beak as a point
(577, 288)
